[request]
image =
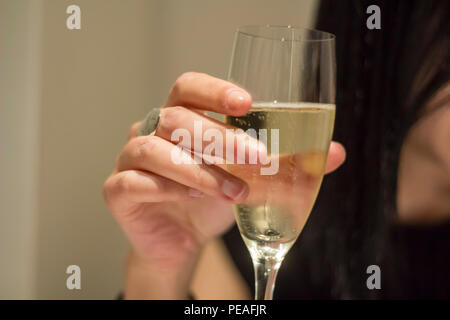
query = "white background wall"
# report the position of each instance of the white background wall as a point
(67, 99)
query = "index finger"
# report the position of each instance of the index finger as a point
(202, 91)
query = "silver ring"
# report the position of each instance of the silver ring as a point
(150, 123)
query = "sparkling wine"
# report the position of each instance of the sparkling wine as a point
(278, 205)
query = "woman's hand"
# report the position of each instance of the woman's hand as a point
(168, 211)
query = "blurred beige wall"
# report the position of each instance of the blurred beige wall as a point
(75, 94)
(20, 55)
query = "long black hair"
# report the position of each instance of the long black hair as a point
(384, 79)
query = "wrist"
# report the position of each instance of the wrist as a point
(146, 280)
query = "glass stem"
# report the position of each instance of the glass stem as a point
(266, 270)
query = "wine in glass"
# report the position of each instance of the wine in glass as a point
(290, 73)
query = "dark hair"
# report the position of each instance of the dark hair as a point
(384, 79)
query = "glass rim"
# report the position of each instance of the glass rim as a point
(256, 33)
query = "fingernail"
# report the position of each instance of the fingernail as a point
(233, 190)
(195, 193)
(236, 99)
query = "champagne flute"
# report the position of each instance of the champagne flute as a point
(290, 73)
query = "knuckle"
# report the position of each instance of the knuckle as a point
(116, 185)
(122, 184)
(180, 82)
(171, 118)
(186, 77)
(145, 146)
